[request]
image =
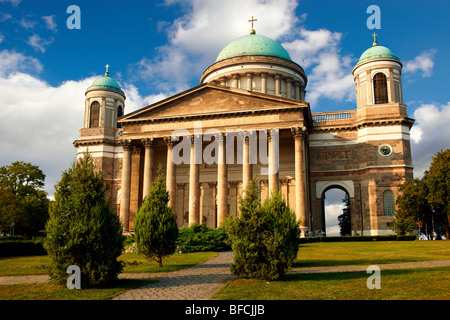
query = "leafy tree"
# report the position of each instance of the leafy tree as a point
(22, 200)
(344, 219)
(437, 180)
(156, 230)
(264, 238)
(426, 201)
(82, 229)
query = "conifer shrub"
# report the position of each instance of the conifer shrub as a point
(201, 238)
(264, 238)
(82, 229)
(156, 229)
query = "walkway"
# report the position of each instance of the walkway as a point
(200, 282)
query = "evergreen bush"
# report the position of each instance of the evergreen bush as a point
(82, 229)
(201, 238)
(264, 238)
(156, 229)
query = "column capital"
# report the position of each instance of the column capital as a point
(235, 76)
(127, 144)
(264, 75)
(289, 79)
(273, 133)
(299, 132)
(169, 141)
(137, 149)
(148, 142)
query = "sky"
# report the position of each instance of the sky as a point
(159, 48)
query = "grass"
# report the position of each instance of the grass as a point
(400, 284)
(329, 254)
(19, 266)
(36, 265)
(49, 291)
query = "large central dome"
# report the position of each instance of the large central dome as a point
(253, 45)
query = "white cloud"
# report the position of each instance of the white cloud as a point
(41, 121)
(429, 135)
(196, 38)
(50, 22)
(423, 62)
(38, 43)
(330, 76)
(11, 61)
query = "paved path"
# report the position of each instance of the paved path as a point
(202, 281)
(198, 282)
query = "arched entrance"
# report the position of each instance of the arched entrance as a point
(336, 211)
(330, 197)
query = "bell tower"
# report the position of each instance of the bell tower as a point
(104, 103)
(377, 77)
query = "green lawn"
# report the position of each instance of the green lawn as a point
(405, 284)
(21, 266)
(327, 254)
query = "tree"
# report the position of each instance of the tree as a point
(22, 200)
(344, 219)
(156, 230)
(437, 180)
(264, 238)
(83, 230)
(426, 201)
(412, 206)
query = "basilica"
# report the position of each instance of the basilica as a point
(249, 119)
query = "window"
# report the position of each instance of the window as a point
(389, 203)
(119, 114)
(94, 115)
(380, 88)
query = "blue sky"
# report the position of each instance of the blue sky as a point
(156, 49)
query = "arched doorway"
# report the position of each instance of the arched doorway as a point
(336, 211)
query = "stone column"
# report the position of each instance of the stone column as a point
(289, 87)
(148, 164)
(126, 185)
(222, 183)
(171, 174)
(264, 82)
(301, 209)
(247, 174)
(277, 84)
(194, 185)
(274, 160)
(250, 81)
(235, 80)
(297, 90)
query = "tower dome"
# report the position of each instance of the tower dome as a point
(376, 52)
(259, 64)
(105, 83)
(377, 76)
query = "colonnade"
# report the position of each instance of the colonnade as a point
(299, 135)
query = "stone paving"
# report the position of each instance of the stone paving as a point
(198, 282)
(201, 281)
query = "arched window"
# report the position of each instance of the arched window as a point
(388, 203)
(380, 88)
(119, 114)
(94, 115)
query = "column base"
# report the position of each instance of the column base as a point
(303, 231)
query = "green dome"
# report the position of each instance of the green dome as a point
(253, 45)
(105, 83)
(376, 52)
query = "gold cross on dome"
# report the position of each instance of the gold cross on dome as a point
(107, 68)
(251, 20)
(374, 35)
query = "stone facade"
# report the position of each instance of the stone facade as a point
(237, 125)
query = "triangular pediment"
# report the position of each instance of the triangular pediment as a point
(208, 100)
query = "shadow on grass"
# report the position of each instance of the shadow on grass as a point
(352, 262)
